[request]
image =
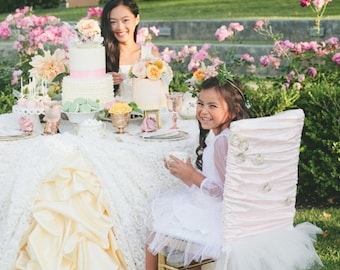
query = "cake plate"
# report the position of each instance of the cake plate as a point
(33, 113)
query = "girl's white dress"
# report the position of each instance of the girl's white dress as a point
(125, 88)
(191, 213)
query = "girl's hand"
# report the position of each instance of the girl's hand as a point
(184, 171)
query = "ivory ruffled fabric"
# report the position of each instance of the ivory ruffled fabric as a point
(130, 170)
(71, 228)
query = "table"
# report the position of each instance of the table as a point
(130, 170)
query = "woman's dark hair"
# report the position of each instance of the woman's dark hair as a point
(110, 41)
(234, 95)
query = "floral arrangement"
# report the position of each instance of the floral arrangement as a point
(153, 69)
(36, 36)
(111, 107)
(88, 33)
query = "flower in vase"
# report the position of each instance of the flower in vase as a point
(120, 108)
(152, 69)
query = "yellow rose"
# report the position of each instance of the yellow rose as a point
(159, 64)
(153, 72)
(120, 108)
(199, 75)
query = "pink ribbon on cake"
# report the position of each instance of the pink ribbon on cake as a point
(85, 74)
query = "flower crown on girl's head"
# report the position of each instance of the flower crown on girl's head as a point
(224, 75)
(220, 72)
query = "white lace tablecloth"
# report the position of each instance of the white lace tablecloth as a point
(130, 169)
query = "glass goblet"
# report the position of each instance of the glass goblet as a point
(174, 103)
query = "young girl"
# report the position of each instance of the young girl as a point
(119, 26)
(193, 212)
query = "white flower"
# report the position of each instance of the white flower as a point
(48, 66)
(88, 32)
(139, 70)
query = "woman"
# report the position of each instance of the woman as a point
(119, 24)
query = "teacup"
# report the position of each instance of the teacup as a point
(91, 128)
(183, 156)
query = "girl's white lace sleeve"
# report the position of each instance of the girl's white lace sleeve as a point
(214, 185)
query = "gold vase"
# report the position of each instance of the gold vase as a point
(120, 121)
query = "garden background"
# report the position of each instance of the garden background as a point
(319, 166)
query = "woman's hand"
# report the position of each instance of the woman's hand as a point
(117, 78)
(184, 171)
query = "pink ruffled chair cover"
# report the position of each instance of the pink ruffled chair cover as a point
(259, 197)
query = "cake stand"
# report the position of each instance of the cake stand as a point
(33, 113)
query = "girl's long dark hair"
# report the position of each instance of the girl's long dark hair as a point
(234, 94)
(110, 42)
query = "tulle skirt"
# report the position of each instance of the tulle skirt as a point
(185, 225)
(282, 249)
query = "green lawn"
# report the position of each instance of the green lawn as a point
(328, 245)
(202, 9)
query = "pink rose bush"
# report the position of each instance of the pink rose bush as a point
(36, 38)
(304, 62)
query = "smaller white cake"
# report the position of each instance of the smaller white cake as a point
(149, 94)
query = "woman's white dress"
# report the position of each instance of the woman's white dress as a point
(125, 88)
(191, 213)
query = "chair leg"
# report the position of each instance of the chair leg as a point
(161, 262)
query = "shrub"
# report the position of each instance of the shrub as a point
(7, 98)
(320, 153)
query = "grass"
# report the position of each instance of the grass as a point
(201, 9)
(328, 244)
(328, 219)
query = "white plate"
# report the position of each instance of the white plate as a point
(187, 116)
(15, 134)
(164, 135)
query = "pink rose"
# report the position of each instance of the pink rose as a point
(5, 31)
(26, 124)
(149, 124)
(312, 72)
(336, 58)
(223, 32)
(259, 24)
(305, 3)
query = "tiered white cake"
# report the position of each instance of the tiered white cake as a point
(88, 78)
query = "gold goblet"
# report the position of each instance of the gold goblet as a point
(120, 121)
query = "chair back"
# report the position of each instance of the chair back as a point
(261, 175)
